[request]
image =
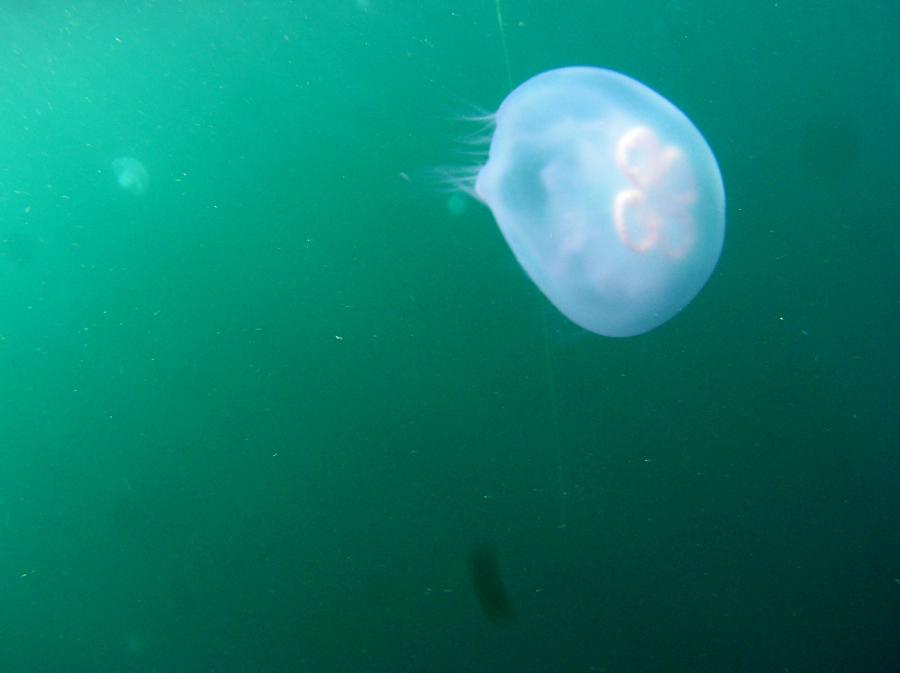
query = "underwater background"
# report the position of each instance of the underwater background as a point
(257, 409)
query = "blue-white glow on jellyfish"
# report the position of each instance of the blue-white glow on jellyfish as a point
(131, 175)
(608, 195)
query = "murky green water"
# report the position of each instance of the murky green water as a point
(255, 415)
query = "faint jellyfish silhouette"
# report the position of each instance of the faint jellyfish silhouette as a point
(456, 204)
(131, 175)
(608, 195)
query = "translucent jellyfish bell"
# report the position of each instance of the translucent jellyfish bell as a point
(131, 175)
(609, 197)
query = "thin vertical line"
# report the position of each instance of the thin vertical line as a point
(551, 380)
(503, 42)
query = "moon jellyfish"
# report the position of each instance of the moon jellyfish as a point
(608, 196)
(131, 175)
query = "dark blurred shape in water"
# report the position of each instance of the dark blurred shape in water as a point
(484, 571)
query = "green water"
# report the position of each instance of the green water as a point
(254, 419)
